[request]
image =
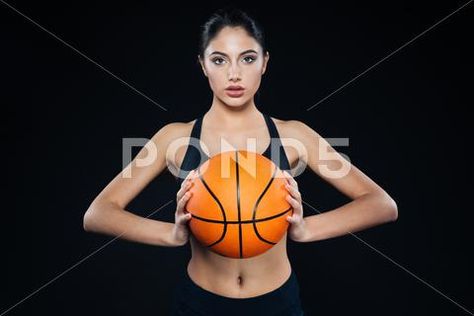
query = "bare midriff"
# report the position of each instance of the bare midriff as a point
(239, 278)
(233, 277)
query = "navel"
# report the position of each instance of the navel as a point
(239, 280)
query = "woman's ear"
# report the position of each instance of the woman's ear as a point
(201, 62)
(265, 61)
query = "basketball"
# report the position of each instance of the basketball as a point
(238, 204)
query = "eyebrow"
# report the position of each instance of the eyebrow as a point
(244, 52)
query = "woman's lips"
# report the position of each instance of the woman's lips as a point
(234, 93)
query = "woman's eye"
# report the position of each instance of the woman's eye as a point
(220, 61)
(249, 59)
(217, 61)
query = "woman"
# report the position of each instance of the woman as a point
(233, 57)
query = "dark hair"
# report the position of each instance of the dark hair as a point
(230, 16)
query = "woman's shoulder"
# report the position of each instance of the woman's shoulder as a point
(290, 127)
(179, 126)
(175, 129)
(282, 121)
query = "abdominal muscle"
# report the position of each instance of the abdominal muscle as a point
(239, 278)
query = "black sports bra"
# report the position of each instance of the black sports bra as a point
(195, 156)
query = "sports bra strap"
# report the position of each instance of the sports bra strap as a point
(271, 126)
(196, 131)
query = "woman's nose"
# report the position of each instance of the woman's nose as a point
(234, 72)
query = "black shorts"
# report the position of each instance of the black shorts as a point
(191, 299)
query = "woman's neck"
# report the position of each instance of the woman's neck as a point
(233, 116)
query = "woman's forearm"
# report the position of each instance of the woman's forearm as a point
(364, 212)
(110, 219)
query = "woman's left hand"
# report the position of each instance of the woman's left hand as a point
(297, 230)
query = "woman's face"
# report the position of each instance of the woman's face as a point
(233, 58)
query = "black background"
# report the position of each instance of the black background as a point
(407, 120)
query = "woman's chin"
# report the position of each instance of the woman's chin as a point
(235, 102)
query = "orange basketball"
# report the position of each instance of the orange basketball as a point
(238, 204)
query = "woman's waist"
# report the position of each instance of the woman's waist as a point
(239, 278)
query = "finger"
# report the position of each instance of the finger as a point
(182, 202)
(183, 190)
(188, 177)
(294, 204)
(193, 174)
(293, 182)
(290, 188)
(185, 199)
(291, 200)
(185, 180)
(184, 218)
(294, 192)
(293, 219)
(290, 180)
(186, 184)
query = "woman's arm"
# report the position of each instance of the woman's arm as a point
(107, 217)
(107, 213)
(370, 204)
(364, 212)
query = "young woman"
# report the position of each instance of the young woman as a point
(233, 57)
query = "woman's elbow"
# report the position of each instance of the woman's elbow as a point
(87, 219)
(392, 209)
(90, 220)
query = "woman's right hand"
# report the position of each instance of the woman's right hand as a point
(180, 231)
